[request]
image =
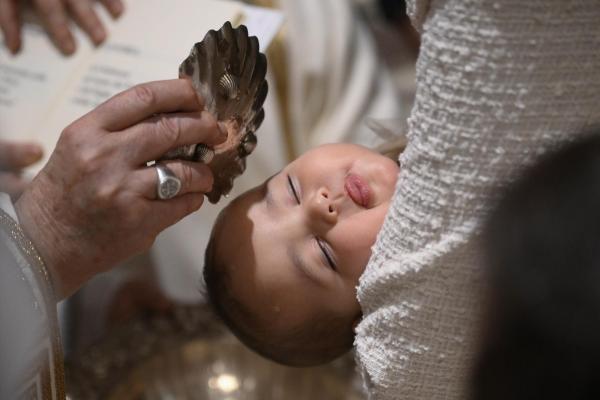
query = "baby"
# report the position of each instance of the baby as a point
(284, 258)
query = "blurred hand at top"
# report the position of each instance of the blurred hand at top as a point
(13, 158)
(55, 15)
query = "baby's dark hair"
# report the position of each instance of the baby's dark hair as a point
(318, 342)
(543, 259)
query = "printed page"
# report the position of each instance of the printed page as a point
(31, 81)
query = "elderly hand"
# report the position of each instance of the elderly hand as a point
(55, 16)
(13, 158)
(95, 203)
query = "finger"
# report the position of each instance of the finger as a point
(15, 156)
(114, 7)
(10, 23)
(151, 139)
(84, 14)
(195, 178)
(12, 184)
(169, 212)
(54, 16)
(140, 102)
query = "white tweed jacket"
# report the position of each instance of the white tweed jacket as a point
(498, 83)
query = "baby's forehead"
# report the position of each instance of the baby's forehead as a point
(245, 200)
(239, 208)
(233, 229)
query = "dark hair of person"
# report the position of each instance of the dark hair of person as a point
(542, 246)
(317, 342)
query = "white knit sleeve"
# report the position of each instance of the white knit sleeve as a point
(498, 83)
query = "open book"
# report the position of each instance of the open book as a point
(41, 91)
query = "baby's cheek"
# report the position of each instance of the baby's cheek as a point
(361, 229)
(353, 256)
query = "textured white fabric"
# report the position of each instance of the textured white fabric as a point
(498, 83)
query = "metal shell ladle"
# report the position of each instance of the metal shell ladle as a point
(228, 72)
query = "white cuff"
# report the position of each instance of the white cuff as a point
(7, 206)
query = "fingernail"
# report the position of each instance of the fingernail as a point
(68, 46)
(198, 201)
(28, 153)
(13, 46)
(209, 181)
(117, 8)
(32, 153)
(99, 34)
(223, 129)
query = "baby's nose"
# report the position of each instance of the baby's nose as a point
(322, 208)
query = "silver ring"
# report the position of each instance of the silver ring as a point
(168, 185)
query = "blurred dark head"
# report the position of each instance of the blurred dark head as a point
(393, 10)
(543, 253)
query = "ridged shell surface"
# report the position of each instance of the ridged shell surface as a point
(228, 72)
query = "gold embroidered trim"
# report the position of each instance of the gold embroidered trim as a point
(42, 277)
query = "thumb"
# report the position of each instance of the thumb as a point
(169, 212)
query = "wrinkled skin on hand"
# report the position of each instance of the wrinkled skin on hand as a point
(95, 203)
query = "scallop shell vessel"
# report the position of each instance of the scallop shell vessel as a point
(228, 72)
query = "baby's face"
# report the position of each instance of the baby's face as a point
(297, 244)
